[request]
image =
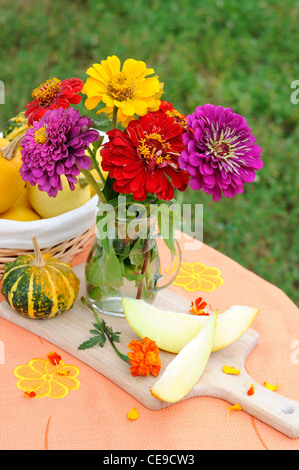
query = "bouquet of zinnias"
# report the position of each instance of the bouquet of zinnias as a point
(152, 151)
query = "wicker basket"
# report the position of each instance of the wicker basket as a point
(65, 251)
(63, 236)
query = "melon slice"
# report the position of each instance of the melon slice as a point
(184, 371)
(172, 330)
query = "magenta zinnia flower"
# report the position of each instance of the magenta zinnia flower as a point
(220, 152)
(56, 146)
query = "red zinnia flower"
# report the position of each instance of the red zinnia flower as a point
(144, 157)
(53, 94)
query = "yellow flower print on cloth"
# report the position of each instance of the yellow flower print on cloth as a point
(42, 377)
(197, 276)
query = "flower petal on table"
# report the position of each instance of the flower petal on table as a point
(69, 370)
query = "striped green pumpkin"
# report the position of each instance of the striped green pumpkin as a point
(39, 286)
(15, 126)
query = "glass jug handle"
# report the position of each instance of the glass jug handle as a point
(165, 280)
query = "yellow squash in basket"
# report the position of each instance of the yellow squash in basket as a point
(65, 201)
(21, 210)
(11, 182)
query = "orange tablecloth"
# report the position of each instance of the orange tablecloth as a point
(95, 415)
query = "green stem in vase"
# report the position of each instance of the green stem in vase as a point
(91, 180)
(96, 165)
(144, 267)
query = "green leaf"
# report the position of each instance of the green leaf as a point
(94, 332)
(101, 125)
(108, 190)
(105, 271)
(90, 343)
(136, 256)
(102, 339)
(97, 144)
(104, 331)
(99, 327)
(165, 224)
(131, 274)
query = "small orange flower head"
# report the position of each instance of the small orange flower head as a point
(144, 358)
(54, 358)
(198, 307)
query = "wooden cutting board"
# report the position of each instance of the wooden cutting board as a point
(70, 329)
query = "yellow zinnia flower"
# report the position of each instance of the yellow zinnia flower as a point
(128, 89)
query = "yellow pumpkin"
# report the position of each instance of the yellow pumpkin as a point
(11, 182)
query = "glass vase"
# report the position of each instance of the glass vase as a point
(128, 259)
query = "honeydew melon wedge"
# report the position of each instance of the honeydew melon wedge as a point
(232, 324)
(172, 331)
(184, 371)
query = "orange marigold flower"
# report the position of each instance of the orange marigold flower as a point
(198, 307)
(250, 392)
(144, 358)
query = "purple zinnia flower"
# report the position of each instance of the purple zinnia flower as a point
(55, 146)
(220, 152)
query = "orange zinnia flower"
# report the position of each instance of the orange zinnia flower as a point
(198, 307)
(145, 358)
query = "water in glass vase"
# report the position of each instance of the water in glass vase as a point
(127, 264)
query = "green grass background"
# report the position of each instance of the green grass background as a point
(238, 54)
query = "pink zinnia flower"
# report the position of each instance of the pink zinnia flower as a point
(220, 154)
(56, 146)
